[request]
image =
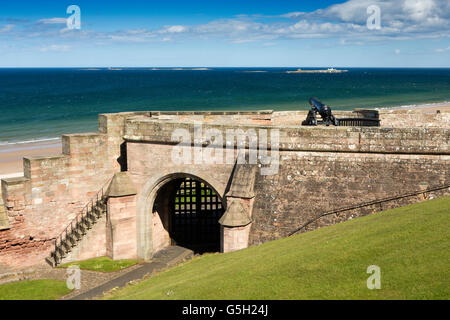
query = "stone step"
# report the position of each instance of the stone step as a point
(71, 239)
(50, 261)
(80, 230)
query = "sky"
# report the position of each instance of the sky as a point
(263, 33)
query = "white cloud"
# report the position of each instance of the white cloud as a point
(419, 9)
(6, 28)
(238, 41)
(397, 51)
(440, 50)
(56, 47)
(400, 19)
(293, 14)
(176, 29)
(53, 21)
(135, 35)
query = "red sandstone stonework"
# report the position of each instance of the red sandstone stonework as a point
(320, 169)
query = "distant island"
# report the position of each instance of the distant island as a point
(329, 70)
(141, 69)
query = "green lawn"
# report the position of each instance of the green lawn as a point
(411, 245)
(103, 264)
(46, 289)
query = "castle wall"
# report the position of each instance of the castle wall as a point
(93, 244)
(122, 227)
(310, 183)
(148, 165)
(388, 118)
(146, 160)
(320, 169)
(53, 190)
(415, 118)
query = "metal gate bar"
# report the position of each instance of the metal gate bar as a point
(196, 211)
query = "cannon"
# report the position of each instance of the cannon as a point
(323, 110)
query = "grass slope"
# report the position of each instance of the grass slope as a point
(102, 264)
(46, 289)
(411, 245)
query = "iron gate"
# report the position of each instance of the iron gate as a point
(196, 210)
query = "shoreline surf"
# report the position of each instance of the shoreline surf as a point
(444, 105)
(11, 154)
(52, 102)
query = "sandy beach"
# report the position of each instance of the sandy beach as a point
(11, 155)
(432, 107)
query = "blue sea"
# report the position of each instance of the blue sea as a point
(37, 104)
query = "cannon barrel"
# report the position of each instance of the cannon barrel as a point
(325, 112)
(368, 118)
(316, 103)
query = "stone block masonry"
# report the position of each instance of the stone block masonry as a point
(122, 226)
(93, 244)
(309, 183)
(320, 169)
(53, 190)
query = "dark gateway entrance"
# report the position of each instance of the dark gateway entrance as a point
(195, 210)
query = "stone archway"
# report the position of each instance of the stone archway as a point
(152, 213)
(186, 213)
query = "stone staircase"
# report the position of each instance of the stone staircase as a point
(78, 228)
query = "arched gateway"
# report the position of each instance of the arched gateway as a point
(60, 211)
(181, 209)
(189, 211)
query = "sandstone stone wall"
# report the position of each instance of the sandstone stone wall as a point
(149, 164)
(93, 244)
(389, 118)
(122, 227)
(389, 203)
(310, 183)
(53, 190)
(415, 118)
(298, 138)
(146, 160)
(236, 117)
(320, 169)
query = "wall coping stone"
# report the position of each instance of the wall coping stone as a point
(121, 186)
(243, 181)
(212, 113)
(302, 138)
(15, 180)
(235, 215)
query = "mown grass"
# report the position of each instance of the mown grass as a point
(411, 245)
(46, 289)
(101, 264)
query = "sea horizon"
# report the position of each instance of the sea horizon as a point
(216, 67)
(39, 104)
